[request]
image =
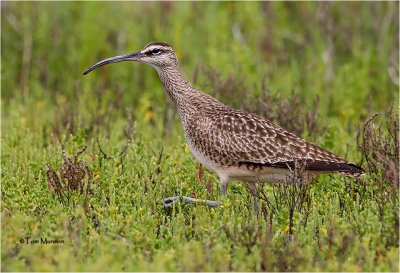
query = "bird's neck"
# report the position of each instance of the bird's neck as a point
(191, 103)
(181, 92)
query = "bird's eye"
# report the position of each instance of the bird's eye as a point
(156, 51)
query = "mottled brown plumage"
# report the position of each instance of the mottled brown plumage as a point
(234, 144)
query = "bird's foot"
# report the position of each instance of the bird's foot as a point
(169, 201)
(188, 200)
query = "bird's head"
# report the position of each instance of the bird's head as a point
(156, 54)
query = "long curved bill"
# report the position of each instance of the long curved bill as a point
(129, 57)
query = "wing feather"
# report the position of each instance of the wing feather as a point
(240, 137)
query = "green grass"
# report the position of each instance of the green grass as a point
(345, 53)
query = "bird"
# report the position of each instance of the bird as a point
(236, 145)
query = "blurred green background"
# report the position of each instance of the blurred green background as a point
(343, 53)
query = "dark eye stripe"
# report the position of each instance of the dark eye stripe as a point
(154, 51)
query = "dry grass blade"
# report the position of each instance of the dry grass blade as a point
(380, 149)
(71, 178)
(293, 194)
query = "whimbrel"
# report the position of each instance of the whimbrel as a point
(234, 144)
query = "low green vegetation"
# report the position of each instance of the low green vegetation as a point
(319, 69)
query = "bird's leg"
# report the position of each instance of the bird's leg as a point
(252, 187)
(223, 189)
(224, 184)
(201, 173)
(189, 200)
